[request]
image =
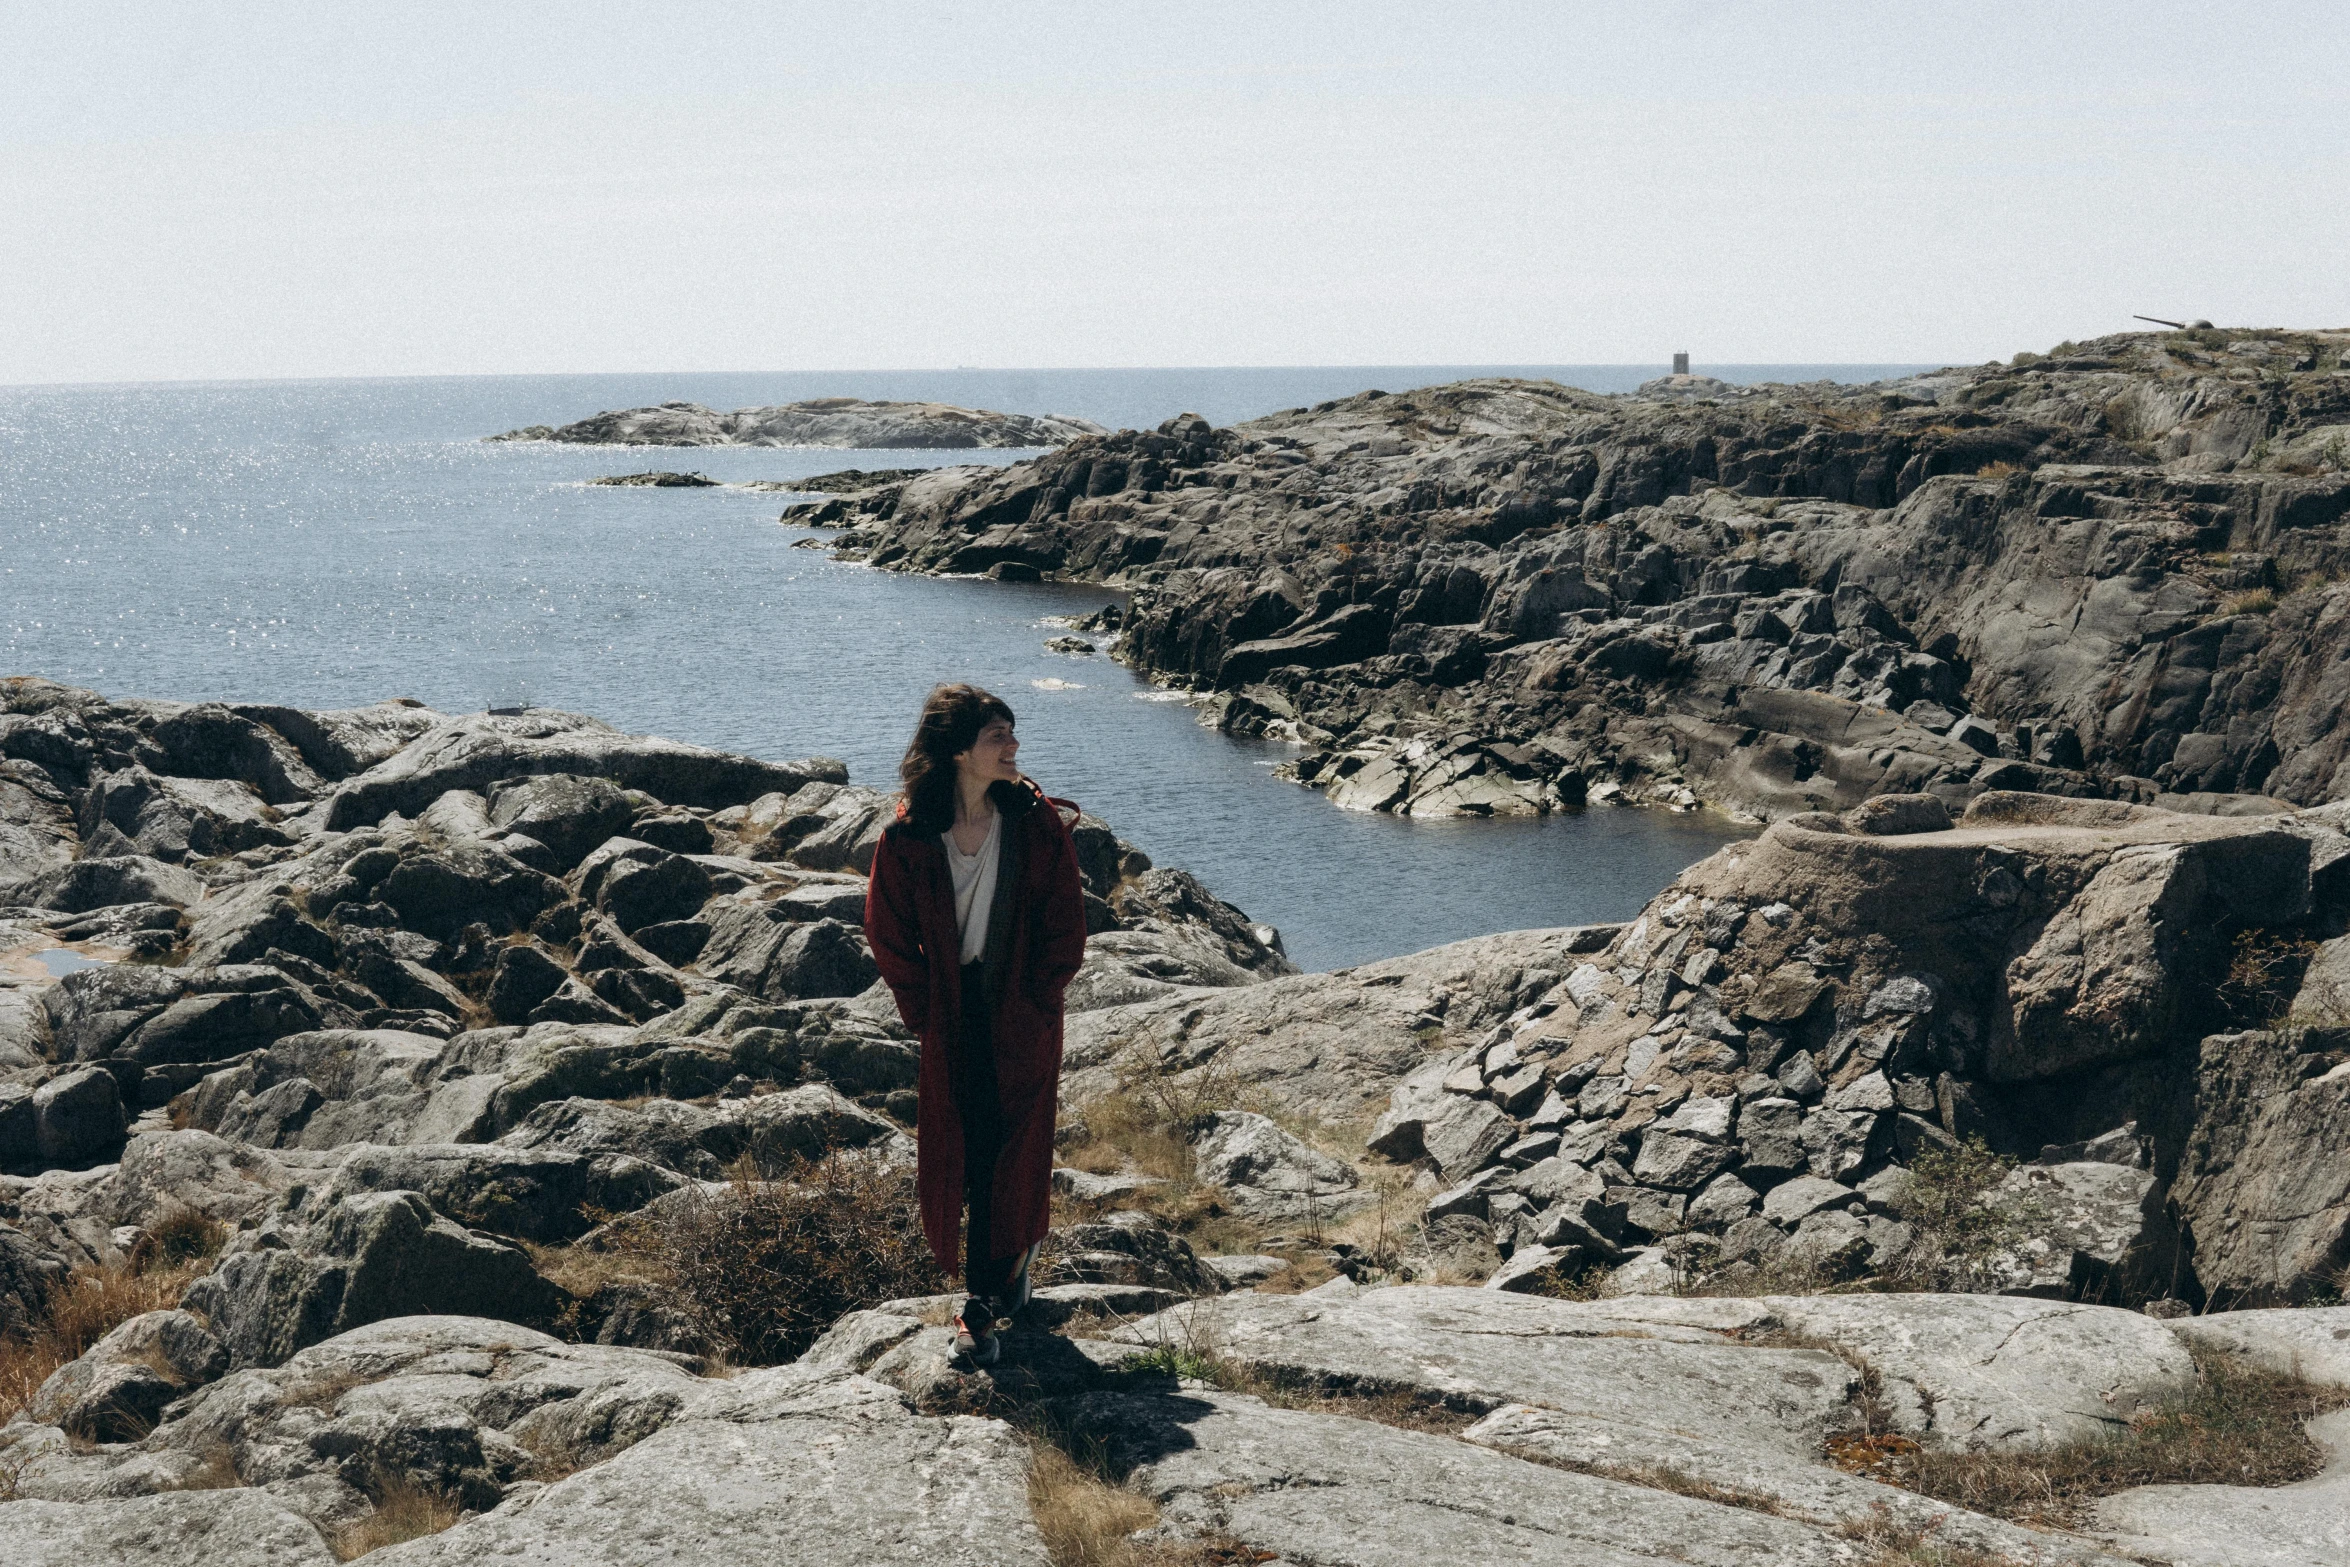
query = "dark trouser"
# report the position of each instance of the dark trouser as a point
(984, 1273)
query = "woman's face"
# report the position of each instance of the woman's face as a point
(993, 757)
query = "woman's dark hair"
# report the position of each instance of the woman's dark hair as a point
(952, 717)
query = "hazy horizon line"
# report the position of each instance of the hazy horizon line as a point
(1697, 367)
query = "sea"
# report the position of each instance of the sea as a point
(331, 543)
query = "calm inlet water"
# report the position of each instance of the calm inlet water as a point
(327, 544)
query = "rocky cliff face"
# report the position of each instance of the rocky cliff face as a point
(2107, 571)
(822, 421)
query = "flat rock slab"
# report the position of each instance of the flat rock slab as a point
(1483, 1348)
(1341, 1492)
(777, 1466)
(2311, 1342)
(2305, 1525)
(1964, 1371)
(1809, 1492)
(240, 1528)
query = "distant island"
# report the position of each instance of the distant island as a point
(821, 421)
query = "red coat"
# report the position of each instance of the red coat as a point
(910, 924)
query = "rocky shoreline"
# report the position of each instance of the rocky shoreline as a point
(359, 1053)
(2111, 571)
(822, 421)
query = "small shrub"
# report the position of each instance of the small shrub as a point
(1173, 1360)
(2264, 974)
(767, 1265)
(1959, 1218)
(1998, 470)
(179, 1238)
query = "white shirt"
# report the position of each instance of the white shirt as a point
(974, 876)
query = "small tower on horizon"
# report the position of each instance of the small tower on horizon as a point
(1680, 364)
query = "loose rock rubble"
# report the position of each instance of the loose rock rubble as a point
(1735, 1082)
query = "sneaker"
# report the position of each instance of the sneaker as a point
(975, 1337)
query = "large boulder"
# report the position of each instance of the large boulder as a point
(1302, 1485)
(545, 1195)
(777, 1465)
(157, 1028)
(352, 1085)
(245, 924)
(78, 1117)
(652, 890)
(483, 749)
(1270, 1174)
(100, 881)
(1481, 1349)
(368, 1256)
(235, 1528)
(1333, 1045)
(774, 1130)
(2263, 1188)
(118, 1388)
(460, 1409)
(211, 741)
(773, 950)
(442, 891)
(178, 819)
(164, 1173)
(2097, 1231)
(568, 813)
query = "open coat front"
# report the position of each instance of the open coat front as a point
(910, 923)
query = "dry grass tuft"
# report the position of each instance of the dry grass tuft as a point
(89, 1304)
(2241, 1426)
(217, 1472)
(1888, 1542)
(181, 1237)
(1088, 1520)
(2264, 974)
(2259, 601)
(766, 1266)
(1085, 1520)
(403, 1512)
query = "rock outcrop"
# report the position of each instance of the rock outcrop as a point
(2112, 570)
(483, 983)
(1741, 1080)
(821, 421)
(496, 992)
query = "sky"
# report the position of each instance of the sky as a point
(228, 191)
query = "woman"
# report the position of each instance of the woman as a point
(977, 921)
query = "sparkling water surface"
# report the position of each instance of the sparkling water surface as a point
(331, 543)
